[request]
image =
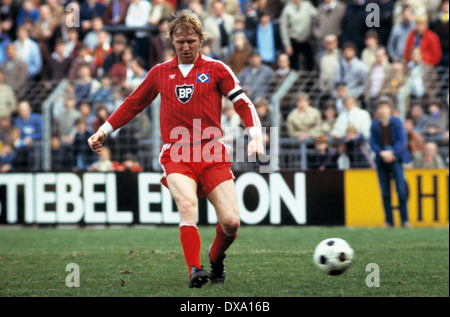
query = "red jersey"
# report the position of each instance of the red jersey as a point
(188, 103)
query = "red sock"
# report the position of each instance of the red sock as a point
(221, 243)
(191, 244)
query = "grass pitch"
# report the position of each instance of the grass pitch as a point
(263, 262)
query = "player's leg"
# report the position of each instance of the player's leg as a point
(384, 180)
(184, 192)
(223, 198)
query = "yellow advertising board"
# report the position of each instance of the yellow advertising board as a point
(427, 204)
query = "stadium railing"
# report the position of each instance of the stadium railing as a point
(290, 153)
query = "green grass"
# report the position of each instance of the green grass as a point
(264, 261)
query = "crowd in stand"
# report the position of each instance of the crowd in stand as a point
(105, 48)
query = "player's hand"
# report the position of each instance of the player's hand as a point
(96, 141)
(255, 146)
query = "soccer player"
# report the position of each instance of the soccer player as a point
(194, 164)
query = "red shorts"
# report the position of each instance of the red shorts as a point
(207, 174)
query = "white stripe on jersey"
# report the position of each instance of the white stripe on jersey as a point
(163, 149)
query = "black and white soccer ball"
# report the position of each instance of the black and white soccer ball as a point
(333, 256)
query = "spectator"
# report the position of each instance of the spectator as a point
(339, 94)
(296, 27)
(105, 93)
(429, 158)
(83, 154)
(415, 139)
(119, 70)
(92, 37)
(427, 40)
(100, 52)
(352, 149)
(280, 74)
(104, 163)
(352, 115)
(56, 8)
(323, 157)
(159, 43)
(116, 12)
(386, 11)
(437, 123)
(399, 34)
(73, 43)
(15, 70)
(8, 15)
(29, 123)
(303, 119)
(44, 30)
(371, 41)
(262, 108)
(27, 12)
(5, 126)
(28, 51)
(206, 50)
(85, 110)
(5, 40)
(137, 75)
(8, 101)
(130, 164)
(354, 24)
(328, 116)
(6, 157)
(161, 10)
(388, 141)
(351, 71)
(256, 77)
(85, 85)
(378, 75)
(57, 66)
(394, 82)
(328, 20)
(90, 9)
(59, 157)
(101, 114)
(231, 125)
(137, 16)
(240, 53)
(64, 122)
(19, 158)
(328, 63)
(219, 26)
(267, 40)
(119, 45)
(419, 117)
(441, 28)
(425, 77)
(82, 58)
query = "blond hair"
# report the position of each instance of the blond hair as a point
(186, 21)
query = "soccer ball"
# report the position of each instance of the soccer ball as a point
(333, 256)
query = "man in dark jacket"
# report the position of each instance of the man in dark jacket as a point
(388, 140)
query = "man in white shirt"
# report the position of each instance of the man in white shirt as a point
(352, 115)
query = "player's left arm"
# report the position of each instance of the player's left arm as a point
(230, 86)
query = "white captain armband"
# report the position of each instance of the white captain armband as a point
(107, 128)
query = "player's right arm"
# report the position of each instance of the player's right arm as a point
(137, 101)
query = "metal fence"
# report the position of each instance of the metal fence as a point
(140, 140)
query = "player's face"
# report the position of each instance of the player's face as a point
(187, 46)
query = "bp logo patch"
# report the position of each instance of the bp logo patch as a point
(184, 92)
